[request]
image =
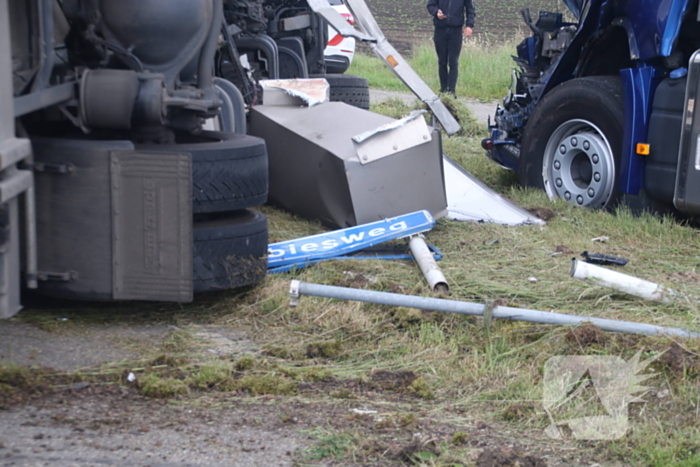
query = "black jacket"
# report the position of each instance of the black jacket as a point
(455, 10)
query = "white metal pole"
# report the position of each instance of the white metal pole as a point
(622, 282)
(427, 264)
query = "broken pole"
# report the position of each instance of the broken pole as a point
(427, 264)
(622, 282)
(298, 288)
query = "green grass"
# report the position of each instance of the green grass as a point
(325, 351)
(484, 68)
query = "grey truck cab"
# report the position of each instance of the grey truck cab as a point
(602, 107)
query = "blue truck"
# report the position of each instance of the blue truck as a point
(602, 108)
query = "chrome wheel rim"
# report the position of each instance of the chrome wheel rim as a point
(578, 165)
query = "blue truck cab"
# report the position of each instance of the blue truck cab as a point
(602, 107)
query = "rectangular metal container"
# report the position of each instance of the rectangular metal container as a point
(315, 170)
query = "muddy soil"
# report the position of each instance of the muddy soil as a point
(79, 423)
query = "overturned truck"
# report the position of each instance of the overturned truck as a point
(128, 168)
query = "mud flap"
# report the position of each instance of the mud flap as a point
(151, 226)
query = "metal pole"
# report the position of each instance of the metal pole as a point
(298, 288)
(423, 256)
(622, 282)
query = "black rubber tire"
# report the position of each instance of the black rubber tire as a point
(230, 250)
(229, 170)
(596, 100)
(350, 89)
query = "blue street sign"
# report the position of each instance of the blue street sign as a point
(342, 242)
(389, 252)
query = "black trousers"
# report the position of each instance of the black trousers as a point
(448, 45)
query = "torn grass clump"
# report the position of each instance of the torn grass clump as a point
(211, 375)
(421, 389)
(324, 349)
(244, 364)
(168, 360)
(459, 438)
(259, 385)
(283, 353)
(153, 385)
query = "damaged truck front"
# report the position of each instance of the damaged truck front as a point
(602, 107)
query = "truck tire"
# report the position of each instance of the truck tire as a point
(573, 140)
(229, 250)
(350, 89)
(229, 170)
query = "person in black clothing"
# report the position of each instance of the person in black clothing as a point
(449, 19)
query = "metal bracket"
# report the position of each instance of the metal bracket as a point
(392, 138)
(56, 276)
(489, 305)
(294, 293)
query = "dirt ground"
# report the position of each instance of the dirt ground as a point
(91, 423)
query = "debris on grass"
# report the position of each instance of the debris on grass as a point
(603, 259)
